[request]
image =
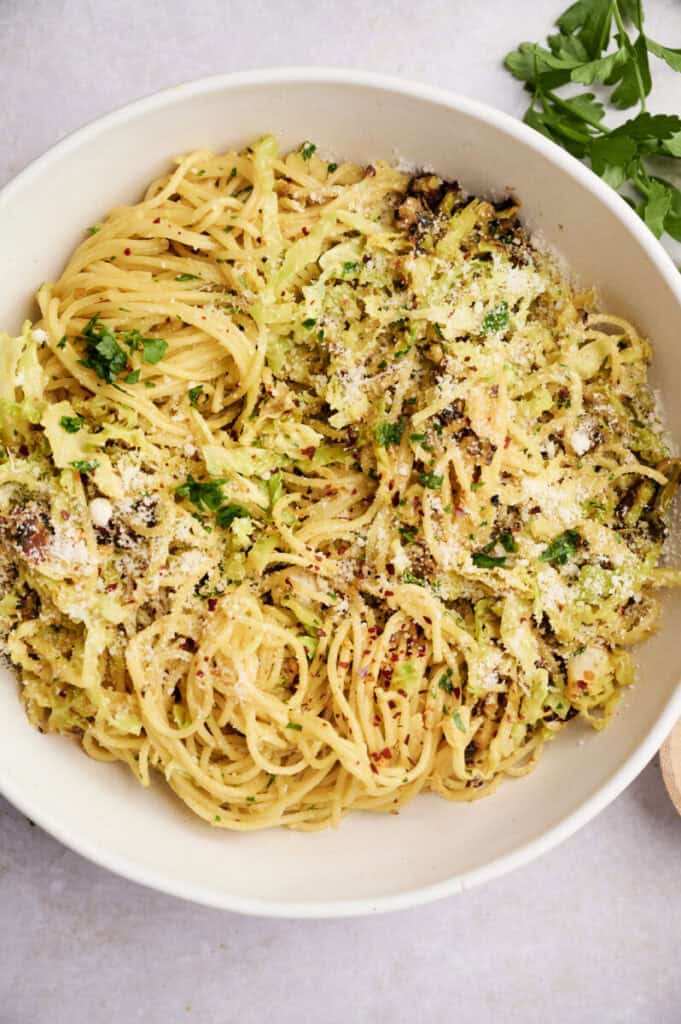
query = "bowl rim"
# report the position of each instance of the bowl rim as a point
(203, 893)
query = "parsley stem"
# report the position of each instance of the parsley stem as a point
(583, 117)
(627, 43)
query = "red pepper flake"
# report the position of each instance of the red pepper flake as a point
(212, 604)
(344, 664)
(394, 657)
(386, 753)
(582, 685)
(388, 593)
(507, 441)
(535, 510)
(306, 231)
(109, 587)
(65, 515)
(157, 220)
(309, 451)
(127, 252)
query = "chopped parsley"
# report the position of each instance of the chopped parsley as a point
(228, 513)
(194, 394)
(203, 495)
(331, 168)
(484, 561)
(409, 577)
(62, 342)
(94, 229)
(309, 323)
(71, 424)
(561, 549)
(389, 433)
(153, 349)
(350, 267)
(431, 480)
(507, 542)
(294, 726)
(458, 721)
(132, 377)
(445, 681)
(496, 320)
(83, 466)
(407, 533)
(103, 354)
(307, 149)
(187, 277)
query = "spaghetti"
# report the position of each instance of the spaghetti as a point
(321, 487)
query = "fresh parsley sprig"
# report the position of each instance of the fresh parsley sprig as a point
(604, 42)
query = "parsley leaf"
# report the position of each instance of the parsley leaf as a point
(153, 349)
(561, 549)
(187, 277)
(507, 542)
(228, 513)
(430, 480)
(194, 394)
(103, 354)
(71, 424)
(409, 577)
(84, 466)
(445, 681)
(483, 560)
(307, 149)
(407, 533)
(672, 57)
(496, 320)
(203, 495)
(458, 721)
(604, 41)
(389, 433)
(132, 377)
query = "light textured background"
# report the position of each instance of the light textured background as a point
(589, 933)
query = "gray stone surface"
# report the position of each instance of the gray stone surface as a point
(588, 933)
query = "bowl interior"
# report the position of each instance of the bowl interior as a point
(432, 847)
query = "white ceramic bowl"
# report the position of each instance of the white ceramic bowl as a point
(433, 848)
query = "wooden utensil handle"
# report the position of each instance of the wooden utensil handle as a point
(670, 762)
